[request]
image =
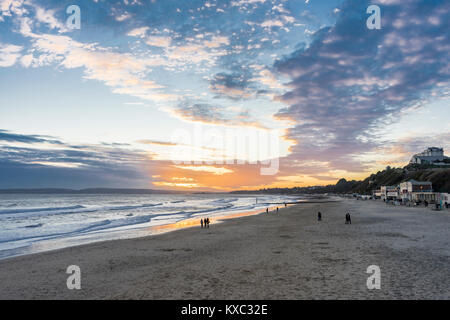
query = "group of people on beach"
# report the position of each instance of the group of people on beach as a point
(204, 222)
(267, 209)
(348, 218)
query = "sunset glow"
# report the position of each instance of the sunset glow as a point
(218, 95)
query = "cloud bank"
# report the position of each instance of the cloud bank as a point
(350, 79)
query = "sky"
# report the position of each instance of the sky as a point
(218, 95)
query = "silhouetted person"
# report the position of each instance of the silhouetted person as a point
(285, 205)
(267, 210)
(348, 219)
(207, 222)
(277, 209)
(201, 222)
(319, 216)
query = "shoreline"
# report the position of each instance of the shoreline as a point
(136, 232)
(285, 255)
(140, 232)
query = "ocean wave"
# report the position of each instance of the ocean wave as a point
(80, 230)
(208, 210)
(147, 205)
(223, 200)
(55, 211)
(34, 225)
(32, 210)
(51, 235)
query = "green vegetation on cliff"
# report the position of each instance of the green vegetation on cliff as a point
(438, 176)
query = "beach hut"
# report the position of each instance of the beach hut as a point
(389, 193)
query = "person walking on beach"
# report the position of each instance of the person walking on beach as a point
(201, 223)
(348, 219)
(207, 222)
(277, 209)
(267, 210)
(319, 216)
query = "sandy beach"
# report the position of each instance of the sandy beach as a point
(284, 255)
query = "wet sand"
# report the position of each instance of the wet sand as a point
(284, 255)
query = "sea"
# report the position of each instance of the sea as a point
(32, 223)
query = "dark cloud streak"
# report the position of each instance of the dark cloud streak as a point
(70, 166)
(13, 137)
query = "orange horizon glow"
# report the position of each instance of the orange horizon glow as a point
(244, 177)
(204, 177)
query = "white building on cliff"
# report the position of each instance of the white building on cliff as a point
(429, 156)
